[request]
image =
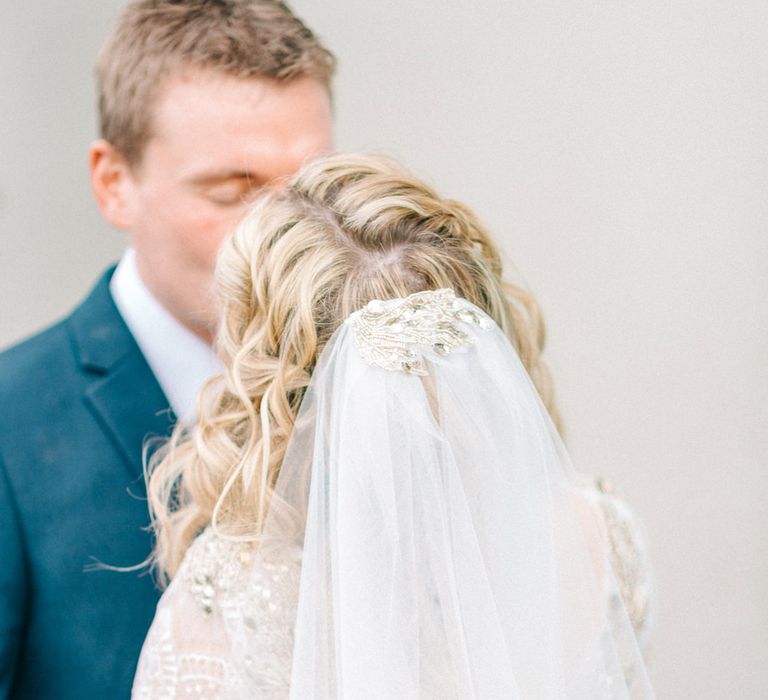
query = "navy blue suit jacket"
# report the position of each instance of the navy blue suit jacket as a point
(76, 402)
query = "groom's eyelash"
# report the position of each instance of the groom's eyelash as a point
(217, 178)
(232, 190)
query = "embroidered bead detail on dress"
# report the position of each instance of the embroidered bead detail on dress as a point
(256, 597)
(397, 334)
(214, 566)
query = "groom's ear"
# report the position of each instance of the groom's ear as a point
(111, 182)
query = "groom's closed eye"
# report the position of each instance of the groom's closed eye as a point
(232, 191)
(227, 188)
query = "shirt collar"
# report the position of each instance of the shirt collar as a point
(181, 361)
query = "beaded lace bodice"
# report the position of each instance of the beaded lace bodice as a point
(223, 628)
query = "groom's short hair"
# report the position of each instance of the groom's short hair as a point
(154, 39)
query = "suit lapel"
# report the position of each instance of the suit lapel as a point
(122, 393)
(131, 408)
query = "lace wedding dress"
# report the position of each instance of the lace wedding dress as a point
(224, 593)
(428, 540)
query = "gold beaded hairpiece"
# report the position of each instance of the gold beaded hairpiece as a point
(397, 334)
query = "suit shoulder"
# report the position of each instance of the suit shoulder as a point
(44, 353)
(55, 353)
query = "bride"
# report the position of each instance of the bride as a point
(374, 501)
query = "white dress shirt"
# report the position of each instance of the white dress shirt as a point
(180, 360)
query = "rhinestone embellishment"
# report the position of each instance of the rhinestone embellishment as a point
(397, 334)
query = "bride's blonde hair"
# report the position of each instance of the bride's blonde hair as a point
(346, 229)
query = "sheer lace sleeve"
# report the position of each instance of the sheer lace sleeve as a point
(628, 556)
(222, 629)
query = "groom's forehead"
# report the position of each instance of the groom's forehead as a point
(208, 127)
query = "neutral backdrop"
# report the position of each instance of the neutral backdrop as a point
(619, 150)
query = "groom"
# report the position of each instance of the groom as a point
(202, 103)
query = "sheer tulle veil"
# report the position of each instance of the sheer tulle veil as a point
(446, 551)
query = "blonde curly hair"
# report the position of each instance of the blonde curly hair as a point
(345, 230)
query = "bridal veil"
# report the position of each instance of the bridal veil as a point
(446, 548)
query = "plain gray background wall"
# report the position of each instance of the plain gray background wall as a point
(620, 153)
